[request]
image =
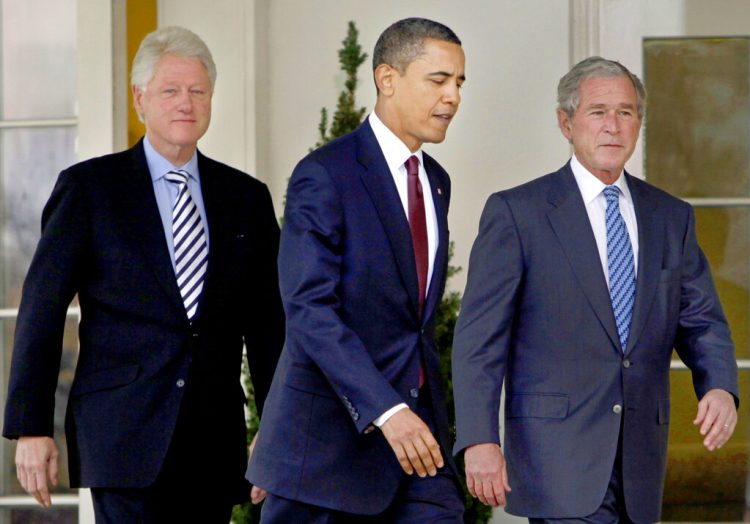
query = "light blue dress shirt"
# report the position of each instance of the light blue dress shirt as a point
(166, 192)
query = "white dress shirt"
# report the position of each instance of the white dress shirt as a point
(396, 154)
(596, 206)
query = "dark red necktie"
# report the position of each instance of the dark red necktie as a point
(418, 226)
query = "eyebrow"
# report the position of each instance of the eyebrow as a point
(601, 106)
(446, 74)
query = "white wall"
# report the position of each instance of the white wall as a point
(227, 28)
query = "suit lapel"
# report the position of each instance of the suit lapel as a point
(219, 221)
(571, 224)
(439, 198)
(379, 184)
(650, 242)
(145, 223)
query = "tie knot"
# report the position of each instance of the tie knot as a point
(412, 165)
(177, 177)
(611, 193)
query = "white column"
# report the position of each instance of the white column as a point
(101, 98)
(86, 507)
(584, 29)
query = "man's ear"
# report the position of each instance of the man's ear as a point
(137, 98)
(384, 79)
(563, 121)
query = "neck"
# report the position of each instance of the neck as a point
(175, 154)
(392, 122)
(607, 177)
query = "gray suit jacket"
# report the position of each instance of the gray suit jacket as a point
(537, 316)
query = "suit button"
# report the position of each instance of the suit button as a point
(355, 416)
(626, 363)
(180, 383)
(413, 392)
(195, 335)
(617, 408)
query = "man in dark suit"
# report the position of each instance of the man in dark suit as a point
(580, 285)
(357, 402)
(173, 258)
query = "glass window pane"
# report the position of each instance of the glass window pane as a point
(30, 160)
(38, 59)
(697, 126)
(35, 515)
(703, 486)
(8, 482)
(724, 236)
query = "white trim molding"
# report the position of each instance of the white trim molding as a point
(584, 29)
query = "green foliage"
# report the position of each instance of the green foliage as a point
(248, 513)
(445, 324)
(346, 118)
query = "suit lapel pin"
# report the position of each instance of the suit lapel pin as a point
(440, 191)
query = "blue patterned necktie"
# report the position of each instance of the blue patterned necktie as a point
(620, 265)
(190, 247)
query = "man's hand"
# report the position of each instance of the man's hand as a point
(257, 494)
(36, 463)
(717, 417)
(412, 442)
(486, 476)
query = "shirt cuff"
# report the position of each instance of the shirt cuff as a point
(382, 419)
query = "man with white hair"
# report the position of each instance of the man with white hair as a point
(173, 258)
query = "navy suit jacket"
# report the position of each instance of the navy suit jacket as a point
(537, 315)
(354, 336)
(103, 238)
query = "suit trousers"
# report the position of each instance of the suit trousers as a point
(189, 487)
(429, 500)
(612, 509)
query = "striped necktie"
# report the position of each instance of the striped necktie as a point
(620, 265)
(190, 247)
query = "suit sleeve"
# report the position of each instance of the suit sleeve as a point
(703, 339)
(310, 271)
(264, 334)
(50, 285)
(482, 340)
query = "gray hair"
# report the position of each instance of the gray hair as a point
(403, 41)
(173, 41)
(594, 67)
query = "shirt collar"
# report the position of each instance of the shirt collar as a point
(159, 166)
(591, 187)
(395, 151)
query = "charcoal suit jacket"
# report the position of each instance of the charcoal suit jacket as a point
(537, 318)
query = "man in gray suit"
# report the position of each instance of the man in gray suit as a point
(580, 285)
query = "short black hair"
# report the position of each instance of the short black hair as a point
(403, 41)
